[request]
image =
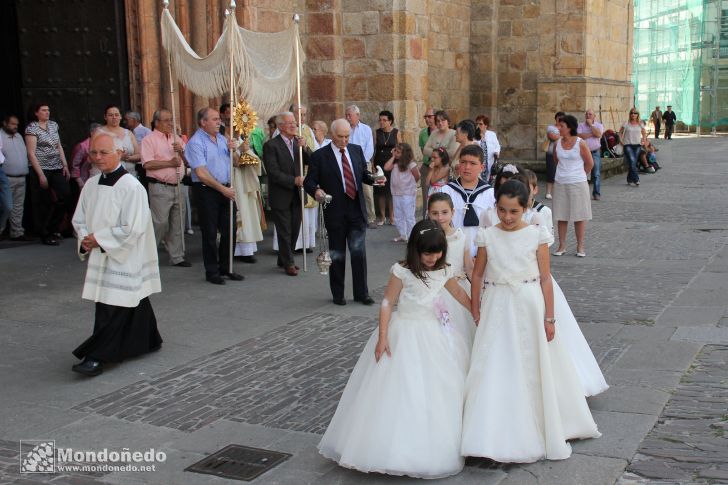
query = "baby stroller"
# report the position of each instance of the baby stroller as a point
(610, 144)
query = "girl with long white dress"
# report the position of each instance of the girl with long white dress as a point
(523, 398)
(440, 209)
(587, 368)
(401, 411)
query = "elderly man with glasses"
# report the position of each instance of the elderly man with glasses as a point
(163, 160)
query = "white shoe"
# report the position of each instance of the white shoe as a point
(559, 253)
(581, 254)
(190, 231)
(548, 196)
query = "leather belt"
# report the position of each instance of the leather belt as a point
(152, 180)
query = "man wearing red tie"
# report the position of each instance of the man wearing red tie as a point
(339, 170)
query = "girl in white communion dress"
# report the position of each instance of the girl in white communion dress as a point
(401, 411)
(523, 398)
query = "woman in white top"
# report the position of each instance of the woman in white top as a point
(632, 136)
(124, 140)
(572, 201)
(489, 144)
(443, 136)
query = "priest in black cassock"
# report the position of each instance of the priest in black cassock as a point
(113, 224)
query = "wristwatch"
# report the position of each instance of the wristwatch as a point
(549, 320)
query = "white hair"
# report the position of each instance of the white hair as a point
(352, 108)
(340, 121)
(284, 114)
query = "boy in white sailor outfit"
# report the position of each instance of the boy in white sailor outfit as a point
(469, 193)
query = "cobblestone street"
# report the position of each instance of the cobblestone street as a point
(263, 362)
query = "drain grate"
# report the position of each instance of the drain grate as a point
(239, 462)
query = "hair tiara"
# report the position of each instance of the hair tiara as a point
(510, 168)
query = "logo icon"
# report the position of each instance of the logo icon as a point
(37, 456)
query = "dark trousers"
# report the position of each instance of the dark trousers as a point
(49, 205)
(288, 223)
(657, 130)
(213, 211)
(668, 131)
(352, 233)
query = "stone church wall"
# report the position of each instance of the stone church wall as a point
(517, 61)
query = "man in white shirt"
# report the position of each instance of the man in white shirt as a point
(361, 134)
(12, 148)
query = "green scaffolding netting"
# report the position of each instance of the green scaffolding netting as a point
(681, 59)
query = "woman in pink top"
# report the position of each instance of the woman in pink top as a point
(404, 188)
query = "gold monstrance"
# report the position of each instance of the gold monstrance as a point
(244, 121)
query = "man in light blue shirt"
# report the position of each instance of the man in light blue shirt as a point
(361, 134)
(208, 153)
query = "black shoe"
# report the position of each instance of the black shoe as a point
(24, 238)
(57, 235)
(339, 301)
(246, 259)
(309, 250)
(89, 367)
(184, 264)
(367, 300)
(234, 276)
(215, 279)
(49, 241)
(298, 251)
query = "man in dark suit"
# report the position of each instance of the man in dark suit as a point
(280, 156)
(339, 170)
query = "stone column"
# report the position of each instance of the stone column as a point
(326, 52)
(149, 66)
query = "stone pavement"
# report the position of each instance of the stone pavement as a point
(262, 362)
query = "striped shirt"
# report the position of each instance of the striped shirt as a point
(47, 145)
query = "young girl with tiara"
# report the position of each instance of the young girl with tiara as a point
(523, 399)
(590, 375)
(403, 185)
(440, 209)
(401, 411)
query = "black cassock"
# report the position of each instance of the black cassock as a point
(121, 333)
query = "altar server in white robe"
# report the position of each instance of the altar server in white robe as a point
(469, 193)
(248, 201)
(113, 224)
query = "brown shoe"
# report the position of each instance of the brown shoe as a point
(292, 271)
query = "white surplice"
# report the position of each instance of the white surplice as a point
(127, 270)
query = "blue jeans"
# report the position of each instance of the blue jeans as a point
(596, 173)
(631, 152)
(6, 198)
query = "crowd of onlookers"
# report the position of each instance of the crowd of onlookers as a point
(35, 163)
